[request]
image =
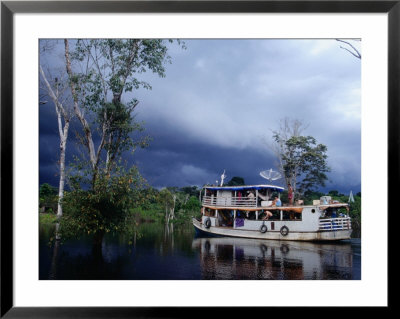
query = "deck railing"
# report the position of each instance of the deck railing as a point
(229, 202)
(335, 223)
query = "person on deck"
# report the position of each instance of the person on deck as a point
(250, 196)
(277, 202)
(268, 214)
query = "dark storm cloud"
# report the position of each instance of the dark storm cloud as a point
(174, 160)
(221, 99)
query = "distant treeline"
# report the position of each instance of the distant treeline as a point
(176, 204)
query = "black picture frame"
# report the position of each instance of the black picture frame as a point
(9, 8)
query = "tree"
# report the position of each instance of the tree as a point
(100, 73)
(333, 193)
(168, 200)
(105, 208)
(190, 190)
(305, 163)
(288, 128)
(236, 181)
(56, 89)
(47, 195)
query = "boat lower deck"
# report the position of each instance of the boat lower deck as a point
(284, 233)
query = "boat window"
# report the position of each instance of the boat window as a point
(209, 212)
(250, 215)
(334, 212)
(225, 217)
(291, 215)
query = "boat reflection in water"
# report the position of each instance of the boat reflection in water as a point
(239, 258)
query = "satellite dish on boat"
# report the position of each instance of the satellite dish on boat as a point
(223, 176)
(270, 174)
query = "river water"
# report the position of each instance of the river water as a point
(160, 252)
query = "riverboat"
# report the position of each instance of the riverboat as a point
(249, 212)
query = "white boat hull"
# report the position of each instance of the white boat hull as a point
(321, 235)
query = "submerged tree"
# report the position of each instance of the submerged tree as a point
(103, 73)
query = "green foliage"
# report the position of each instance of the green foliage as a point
(158, 204)
(47, 219)
(48, 196)
(305, 162)
(191, 191)
(236, 181)
(47, 190)
(335, 193)
(187, 210)
(165, 198)
(108, 68)
(148, 213)
(355, 214)
(309, 196)
(105, 197)
(104, 208)
(193, 204)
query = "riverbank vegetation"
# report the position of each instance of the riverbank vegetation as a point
(148, 204)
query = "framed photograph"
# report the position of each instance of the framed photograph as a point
(219, 82)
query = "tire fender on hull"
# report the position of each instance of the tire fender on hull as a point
(263, 228)
(284, 231)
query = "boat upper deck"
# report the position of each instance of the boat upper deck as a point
(249, 196)
(252, 197)
(246, 188)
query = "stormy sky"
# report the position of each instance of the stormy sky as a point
(220, 101)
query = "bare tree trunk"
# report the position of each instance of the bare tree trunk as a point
(63, 146)
(173, 208)
(63, 134)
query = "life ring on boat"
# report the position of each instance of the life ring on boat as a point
(263, 228)
(284, 230)
(207, 223)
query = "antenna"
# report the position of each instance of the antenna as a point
(351, 197)
(270, 174)
(223, 176)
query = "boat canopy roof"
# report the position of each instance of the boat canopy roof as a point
(246, 187)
